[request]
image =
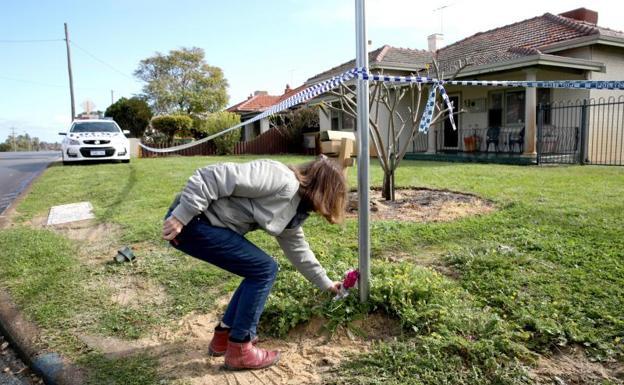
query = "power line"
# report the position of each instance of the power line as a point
(101, 61)
(47, 84)
(28, 40)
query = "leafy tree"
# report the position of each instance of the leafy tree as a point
(21, 143)
(131, 114)
(170, 125)
(182, 82)
(217, 122)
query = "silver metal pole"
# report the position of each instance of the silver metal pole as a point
(363, 151)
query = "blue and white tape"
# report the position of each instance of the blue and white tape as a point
(427, 117)
(298, 98)
(438, 85)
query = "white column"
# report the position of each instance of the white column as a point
(431, 140)
(530, 105)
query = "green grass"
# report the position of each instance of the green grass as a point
(545, 270)
(135, 370)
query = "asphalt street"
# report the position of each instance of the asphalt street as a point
(18, 169)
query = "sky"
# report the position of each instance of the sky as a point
(259, 45)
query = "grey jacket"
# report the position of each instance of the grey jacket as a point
(245, 196)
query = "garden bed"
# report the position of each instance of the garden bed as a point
(422, 205)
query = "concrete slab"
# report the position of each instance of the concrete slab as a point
(70, 213)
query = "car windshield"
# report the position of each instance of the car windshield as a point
(95, 127)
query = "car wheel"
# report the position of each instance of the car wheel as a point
(125, 161)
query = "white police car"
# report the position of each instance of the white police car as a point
(95, 139)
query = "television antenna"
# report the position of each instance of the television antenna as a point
(441, 10)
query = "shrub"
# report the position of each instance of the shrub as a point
(172, 124)
(217, 122)
(131, 114)
(293, 124)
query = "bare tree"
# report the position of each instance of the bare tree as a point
(388, 98)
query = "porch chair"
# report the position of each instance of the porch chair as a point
(516, 138)
(492, 135)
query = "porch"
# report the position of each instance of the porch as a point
(474, 157)
(585, 132)
(485, 145)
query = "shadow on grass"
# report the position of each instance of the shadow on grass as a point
(114, 207)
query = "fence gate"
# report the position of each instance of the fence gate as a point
(583, 132)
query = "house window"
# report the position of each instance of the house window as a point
(495, 113)
(348, 123)
(514, 107)
(341, 120)
(335, 120)
(543, 98)
(256, 128)
(506, 108)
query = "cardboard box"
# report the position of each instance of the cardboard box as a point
(337, 135)
(330, 142)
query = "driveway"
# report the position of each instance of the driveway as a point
(18, 169)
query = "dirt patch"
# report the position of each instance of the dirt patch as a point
(98, 241)
(422, 205)
(136, 292)
(572, 367)
(306, 353)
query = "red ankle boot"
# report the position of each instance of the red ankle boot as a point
(244, 355)
(218, 344)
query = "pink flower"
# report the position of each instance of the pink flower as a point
(350, 278)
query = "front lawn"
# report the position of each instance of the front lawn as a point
(478, 299)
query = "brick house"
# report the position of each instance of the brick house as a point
(568, 46)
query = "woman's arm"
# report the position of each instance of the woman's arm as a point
(297, 250)
(249, 180)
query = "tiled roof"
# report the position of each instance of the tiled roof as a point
(291, 92)
(410, 60)
(256, 103)
(513, 41)
(524, 38)
(261, 102)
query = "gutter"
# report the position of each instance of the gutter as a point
(536, 60)
(583, 42)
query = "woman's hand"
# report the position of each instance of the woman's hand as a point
(171, 228)
(335, 288)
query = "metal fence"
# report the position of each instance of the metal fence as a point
(585, 132)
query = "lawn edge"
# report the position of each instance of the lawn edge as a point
(22, 334)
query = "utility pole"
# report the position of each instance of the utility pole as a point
(13, 138)
(71, 78)
(112, 97)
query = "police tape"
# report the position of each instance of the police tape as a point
(437, 86)
(298, 98)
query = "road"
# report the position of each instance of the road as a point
(18, 169)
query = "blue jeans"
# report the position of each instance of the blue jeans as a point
(232, 252)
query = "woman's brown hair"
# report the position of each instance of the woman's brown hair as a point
(323, 184)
